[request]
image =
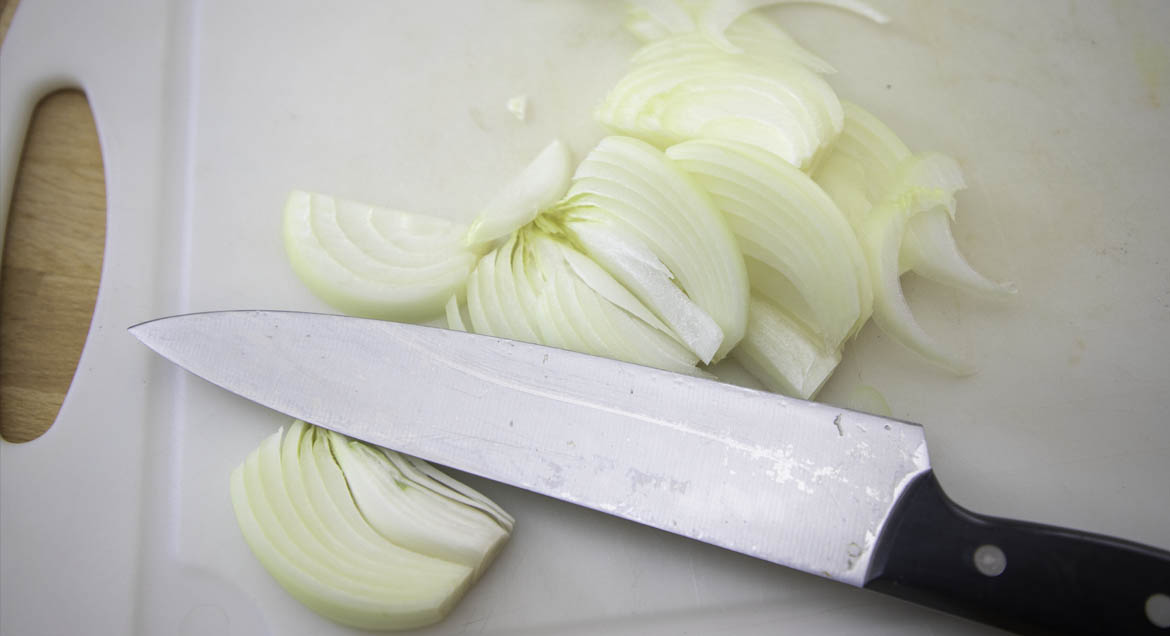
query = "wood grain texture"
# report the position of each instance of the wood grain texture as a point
(52, 260)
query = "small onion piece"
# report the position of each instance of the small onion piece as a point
(293, 502)
(541, 184)
(782, 355)
(375, 262)
(630, 189)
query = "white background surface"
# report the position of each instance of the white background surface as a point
(211, 111)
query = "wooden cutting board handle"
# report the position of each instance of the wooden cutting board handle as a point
(49, 278)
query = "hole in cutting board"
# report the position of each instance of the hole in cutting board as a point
(52, 263)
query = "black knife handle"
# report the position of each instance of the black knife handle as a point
(1023, 577)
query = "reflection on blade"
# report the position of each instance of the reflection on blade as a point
(801, 484)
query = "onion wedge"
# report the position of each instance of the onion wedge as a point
(332, 550)
(375, 262)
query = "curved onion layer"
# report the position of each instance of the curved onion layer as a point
(684, 87)
(293, 502)
(716, 16)
(454, 315)
(375, 262)
(541, 184)
(869, 164)
(782, 355)
(881, 235)
(631, 191)
(537, 288)
(802, 254)
(901, 205)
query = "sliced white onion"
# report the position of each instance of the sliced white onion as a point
(418, 518)
(782, 355)
(869, 164)
(455, 317)
(717, 15)
(624, 256)
(930, 250)
(903, 202)
(683, 87)
(541, 184)
(426, 476)
(628, 188)
(627, 325)
(375, 262)
(792, 234)
(881, 237)
(296, 512)
(603, 283)
(532, 288)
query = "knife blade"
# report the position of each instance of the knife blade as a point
(837, 493)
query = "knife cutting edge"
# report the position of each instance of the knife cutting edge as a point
(837, 493)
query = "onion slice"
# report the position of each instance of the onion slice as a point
(454, 315)
(321, 543)
(901, 205)
(650, 222)
(801, 252)
(881, 237)
(540, 289)
(631, 262)
(869, 164)
(418, 517)
(541, 184)
(375, 262)
(683, 87)
(782, 355)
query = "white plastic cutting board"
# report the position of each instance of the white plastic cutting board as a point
(118, 520)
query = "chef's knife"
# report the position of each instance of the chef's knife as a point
(837, 493)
